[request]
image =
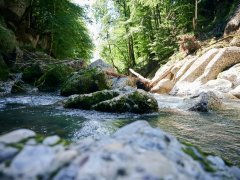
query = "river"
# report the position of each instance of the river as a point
(214, 132)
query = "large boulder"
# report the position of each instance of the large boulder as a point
(206, 101)
(236, 92)
(135, 151)
(84, 82)
(234, 23)
(4, 72)
(100, 64)
(32, 73)
(231, 75)
(136, 102)
(86, 101)
(221, 85)
(15, 9)
(53, 78)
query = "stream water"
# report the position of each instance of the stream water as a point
(214, 132)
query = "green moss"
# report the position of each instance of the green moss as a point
(88, 100)
(7, 39)
(84, 82)
(54, 78)
(32, 73)
(4, 71)
(198, 155)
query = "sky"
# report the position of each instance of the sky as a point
(93, 27)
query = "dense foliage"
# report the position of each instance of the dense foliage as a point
(64, 24)
(144, 33)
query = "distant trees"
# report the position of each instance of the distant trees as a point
(144, 33)
(62, 22)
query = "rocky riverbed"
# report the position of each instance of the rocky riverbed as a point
(136, 151)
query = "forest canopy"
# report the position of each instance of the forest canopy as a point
(143, 34)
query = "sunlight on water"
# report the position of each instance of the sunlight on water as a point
(214, 132)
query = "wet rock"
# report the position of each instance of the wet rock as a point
(136, 102)
(32, 73)
(32, 162)
(53, 78)
(7, 153)
(163, 87)
(86, 101)
(52, 140)
(16, 136)
(206, 101)
(84, 82)
(136, 151)
(19, 87)
(121, 82)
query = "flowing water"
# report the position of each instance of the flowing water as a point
(215, 132)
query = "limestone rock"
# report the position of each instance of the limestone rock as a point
(86, 101)
(163, 87)
(221, 85)
(16, 9)
(231, 75)
(16, 136)
(236, 92)
(84, 82)
(100, 64)
(206, 101)
(51, 140)
(226, 57)
(136, 102)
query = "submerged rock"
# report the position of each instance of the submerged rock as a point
(136, 151)
(206, 101)
(136, 102)
(85, 81)
(16, 136)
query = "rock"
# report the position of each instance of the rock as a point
(84, 82)
(14, 10)
(198, 67)
(220, 85)
(86, 101)
(231, 75)
(16, 136)
(19, 87)
(53, 78)
(206, 101)
(7, 153)
(121, 82)
(136, 102)
(137, 151)
(100, 64)
(32, 73)
(234, 23)
(163, 87)
(4, 72)
(32, 162)
(236, 92)
(52, 140)
(235, 42)
(226, 57)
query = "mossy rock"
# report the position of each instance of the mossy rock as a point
(85, 81)
(32, 73)
(53, 78)
(7, 39)
(19, 87)
(136, 102)
(4, 72)
(86, 101)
